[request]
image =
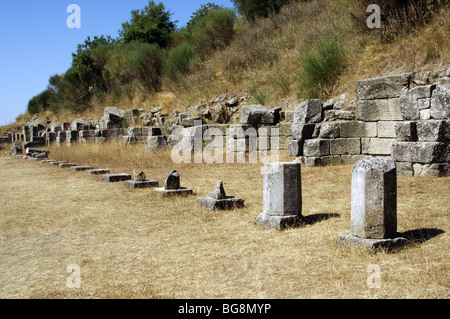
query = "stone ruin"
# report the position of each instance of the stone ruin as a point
(172, 186)
(140, 180)
(405, 117)
(218, 199)
(282, 201)
(373, 223)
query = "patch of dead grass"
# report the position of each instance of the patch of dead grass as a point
(134, 244)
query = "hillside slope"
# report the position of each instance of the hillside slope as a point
(265, 59)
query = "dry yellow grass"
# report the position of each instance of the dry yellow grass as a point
(133, 244)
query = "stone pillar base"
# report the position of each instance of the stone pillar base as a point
(278, 222)
(373, 245)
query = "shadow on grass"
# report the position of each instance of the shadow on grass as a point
(421, 235)
(317, 218)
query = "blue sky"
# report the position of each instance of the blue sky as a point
(36, 43)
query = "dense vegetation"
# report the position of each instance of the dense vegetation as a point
(152, 55)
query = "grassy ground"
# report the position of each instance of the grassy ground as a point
(133, 244)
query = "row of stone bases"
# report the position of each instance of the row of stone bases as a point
(373, 203)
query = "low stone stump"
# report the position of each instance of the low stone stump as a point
(140, 180)
(217, 199)
(82, 168)
(97, 171)
(65, 165)
(56, 163)
(282, 203)
(141, 184)
(172, 186)
(113, 178)
(373, 222)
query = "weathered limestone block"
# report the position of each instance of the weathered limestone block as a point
(282, 203)
(379, 110)
(373, 221)
(256, 114)
(433, 130)
(139, 175)
(97, 171)
(440, 102)
(79, 124)
(55, 127)
(156, 142)
(374, 199)
(309, 111)
(420, 152)
(316, 148)
(295, 148)
(16, 149)
(406, 131)
(81, 168)
(414, 100)
(342, 146)
(385, 129)
(383, 87)
(217, 199)
(377, 146)
(433, 170)
(172, 186)
(141, 184)
(301, 131)
(113, 178)
(330, 130)
(67, 165)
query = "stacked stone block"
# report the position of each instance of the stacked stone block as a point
(423, 137)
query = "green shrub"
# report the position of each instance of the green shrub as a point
(180, 61)
(135, 63)
(150, 25)
(213, 31)
(321, 68)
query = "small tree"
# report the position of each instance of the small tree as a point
(150, 25)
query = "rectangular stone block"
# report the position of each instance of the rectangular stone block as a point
(406, 131)
(295, 148)
(282, 194)
(341, 146)
(301, 131)
(316, 148)
(358, 129)
(379, 110)
(383, 87)
(112, 178)
(377, 146)
(374, 199)
(81, 168)
(420, 152)
(386, 129)
(433, 130)
(97, 171)
(440, 102)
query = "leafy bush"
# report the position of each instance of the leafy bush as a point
(214, 30)
(321, 68)
(150, 25)
(135, 63)
(180, 61)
